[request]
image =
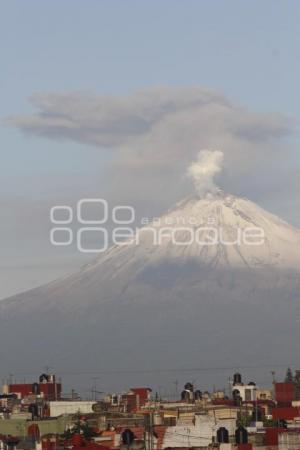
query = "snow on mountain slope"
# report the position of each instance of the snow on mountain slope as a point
(221, 222)
(222, 218)
(144, 298)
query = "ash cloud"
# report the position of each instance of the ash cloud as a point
(154, 135)
(203, 171)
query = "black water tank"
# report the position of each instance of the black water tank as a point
(127, 437)
(189, 387)
(36, 389)
(185, 396)
(241, 435)
(237, 378)
(198, 395)
(223, 435)
(44, 378)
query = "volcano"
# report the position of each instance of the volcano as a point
(217, 300)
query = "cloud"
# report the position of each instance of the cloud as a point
(156, 133)
(108, 121)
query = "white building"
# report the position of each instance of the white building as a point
(247, 392)
(200, 434)
(70, 407)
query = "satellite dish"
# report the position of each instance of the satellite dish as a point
(97, 408)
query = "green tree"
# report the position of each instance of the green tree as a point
(243, 419)
(80, 428)
(297, 383)
(289, 378)
(270, 422)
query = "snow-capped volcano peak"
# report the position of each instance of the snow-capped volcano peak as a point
(219, 230)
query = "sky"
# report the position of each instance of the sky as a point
(114, 99)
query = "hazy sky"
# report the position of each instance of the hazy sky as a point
(117, 98)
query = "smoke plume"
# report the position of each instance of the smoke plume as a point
(203, 171)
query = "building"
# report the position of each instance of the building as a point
(285, 393)
(58, 408)
(46, 387)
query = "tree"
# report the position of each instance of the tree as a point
(289, 378)
(297, 383)
(80, 427)
(243, 419)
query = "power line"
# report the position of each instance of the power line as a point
(162, 370)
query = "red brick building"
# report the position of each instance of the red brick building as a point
(47, 387)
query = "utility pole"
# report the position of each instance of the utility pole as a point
(160, 392)
(176, 389)
(273, 381)
(149, 431)
(95, 387)
(273, 376)
(229, 387)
